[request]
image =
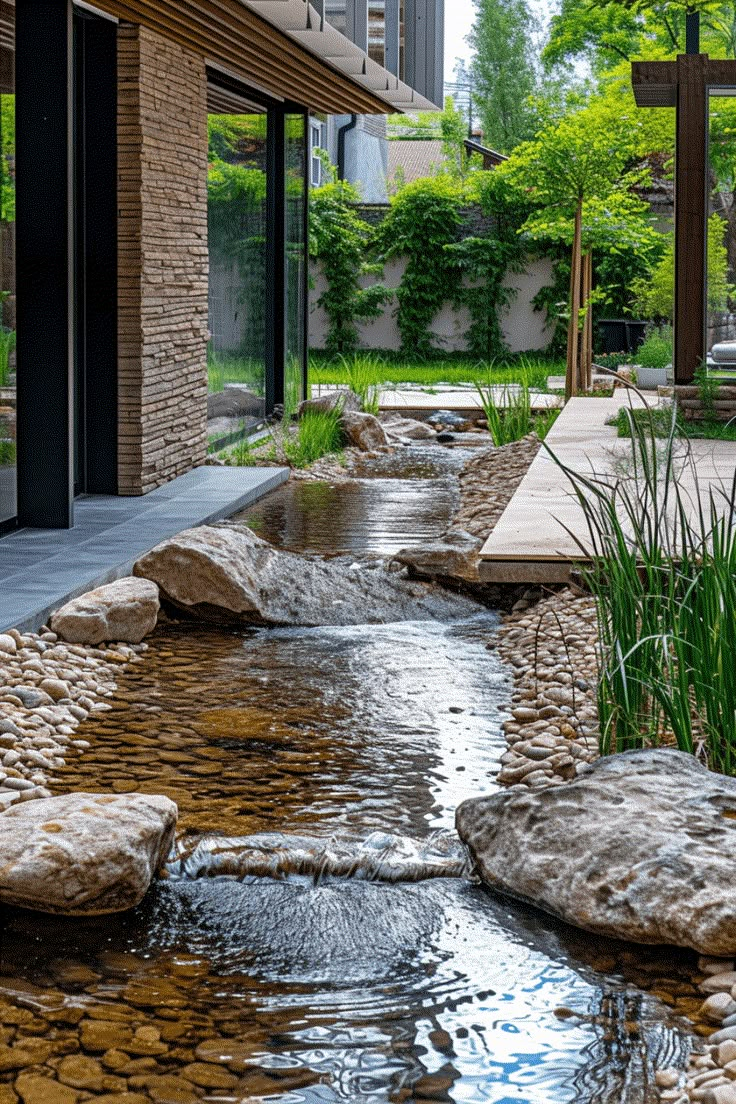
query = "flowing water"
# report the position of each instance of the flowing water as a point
(318, 938)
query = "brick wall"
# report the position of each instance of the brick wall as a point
(163, 262)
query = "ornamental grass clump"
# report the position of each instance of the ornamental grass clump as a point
(508, 410)
(663, 573)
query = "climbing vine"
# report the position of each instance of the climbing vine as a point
(484, 263)
(340, 240)
(424, 218)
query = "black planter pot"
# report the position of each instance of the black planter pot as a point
(620, 335)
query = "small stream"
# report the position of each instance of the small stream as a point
(326, 762)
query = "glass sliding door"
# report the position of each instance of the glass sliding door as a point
(296, 260)
(238, 238)
(8, 481)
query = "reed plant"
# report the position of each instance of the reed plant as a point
(508, 409)
(662, 569)
(362, 373)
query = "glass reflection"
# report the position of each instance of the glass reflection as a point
(721, 236)
(7, 264)
(237, 222)
(296, 167)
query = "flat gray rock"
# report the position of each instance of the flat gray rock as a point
(227, 573)
(641, 846)
(83, 854)
(454, 556)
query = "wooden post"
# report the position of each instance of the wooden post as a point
(690, 215)
(586, 338)
(572, 376)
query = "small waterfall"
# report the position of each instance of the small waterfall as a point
(379, 857)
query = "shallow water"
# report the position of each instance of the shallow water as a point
(299, 984)
(401, 500)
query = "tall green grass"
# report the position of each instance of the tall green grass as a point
(663, 573)
(317, 433)
(363, 375)
(509, 413)
(384, 369)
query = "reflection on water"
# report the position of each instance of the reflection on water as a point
(402, 500)
(301, 982)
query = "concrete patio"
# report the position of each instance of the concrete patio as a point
(40, 569)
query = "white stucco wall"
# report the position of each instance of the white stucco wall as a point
(524, 329)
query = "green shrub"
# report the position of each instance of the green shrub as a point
(7, 345)
(663, 573)
(423, 219)
(656, 350)
(318, 434)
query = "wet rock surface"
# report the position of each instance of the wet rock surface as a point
(83, 854)
(454, 557)
(363, 431)
(639, 847)
(230, 573)
(126, 609)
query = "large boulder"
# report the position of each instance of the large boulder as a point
(409, 429)
(642, 846)
(234, 402)
(363, 431)
(83, 854)
(344, 401)
(228, 573)
(125, 610)
(455, 556)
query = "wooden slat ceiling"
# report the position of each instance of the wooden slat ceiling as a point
(230, 35)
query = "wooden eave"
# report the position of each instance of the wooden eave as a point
(233, 37)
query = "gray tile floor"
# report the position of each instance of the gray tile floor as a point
(40, 569)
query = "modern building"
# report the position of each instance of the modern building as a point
(406, 37)
(155, 162)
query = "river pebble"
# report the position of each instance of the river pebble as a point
(47, 688)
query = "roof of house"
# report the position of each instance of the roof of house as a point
(414, 158)
(485, 151)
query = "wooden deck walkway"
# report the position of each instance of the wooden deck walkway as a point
(529, 542)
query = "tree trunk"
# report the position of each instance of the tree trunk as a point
(586, 337)
(572, 375)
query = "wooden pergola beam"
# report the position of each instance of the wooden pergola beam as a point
(685, 84)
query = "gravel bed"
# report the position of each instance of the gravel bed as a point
(47, 688)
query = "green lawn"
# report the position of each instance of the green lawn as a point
(368, 369)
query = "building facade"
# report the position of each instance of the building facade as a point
(406, 37)
(155, 163)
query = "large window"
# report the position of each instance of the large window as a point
(296, 169)
(7, 264)
(238, 238)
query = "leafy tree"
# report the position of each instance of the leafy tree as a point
(339, 238)
(607, 31)
(577, 174)
(503, 69)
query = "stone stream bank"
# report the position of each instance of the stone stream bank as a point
(129, 1038)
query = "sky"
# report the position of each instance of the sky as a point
(459, 20)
